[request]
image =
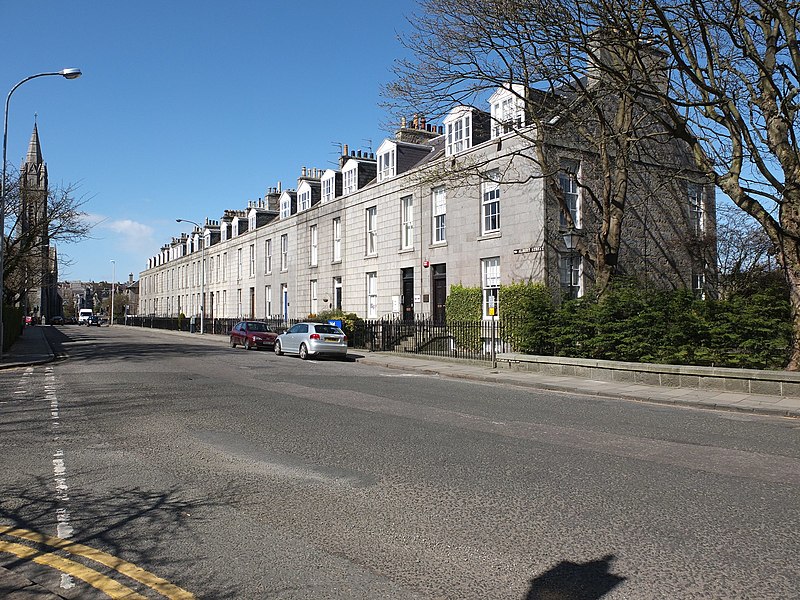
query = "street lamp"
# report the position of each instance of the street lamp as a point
(113, 283)
(202, 274)
(571, 238)
(66, 74)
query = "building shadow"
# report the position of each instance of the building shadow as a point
(575, 581)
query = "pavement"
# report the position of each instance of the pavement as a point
(32, 348)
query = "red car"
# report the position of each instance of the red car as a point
(253, 334)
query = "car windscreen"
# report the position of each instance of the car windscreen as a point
(329, 329)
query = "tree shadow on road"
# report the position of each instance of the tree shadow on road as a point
(136, 525)
(575, 581)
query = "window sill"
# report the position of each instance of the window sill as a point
(371, 255)
(405, 251)
(336, 262)
(490, 236)
(438, 244)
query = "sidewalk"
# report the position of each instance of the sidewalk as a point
(31, 348)
(708, 399)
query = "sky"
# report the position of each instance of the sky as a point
(187, 108)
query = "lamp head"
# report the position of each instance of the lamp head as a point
(70, 73)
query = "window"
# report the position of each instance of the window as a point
(328, 188)
(268, 256)
(286, 206)
(304, 200)
(568, 181)
(372, 295)
(224, 266)
(507, 114)
(439, 211)
(268, 301)
(238, 264)
(239, 303)
(699, 285)
(459, 135)
(337, 239)
(252, 260)
(252, 221)
(314, 245)
(407, 222)
(284, 252)
(313, 293)
(350, 180)
(490, 276)
(218, 265)
(386, 165)
(695, 193)
(491, 204)
(372, 230)
(210, 270)
(570, 267)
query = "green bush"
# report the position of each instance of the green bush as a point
(464, 306)
(352, 324)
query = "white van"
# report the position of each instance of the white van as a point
(83, 315)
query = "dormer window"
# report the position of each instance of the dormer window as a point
(304, 200)
(458, 127)
(350, 178)
(508, 110)
(386, 164)
(251, 219)
(328, 186)
(286, 206)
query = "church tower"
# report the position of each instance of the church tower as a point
(42, 270)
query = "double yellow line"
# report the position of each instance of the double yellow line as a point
(105, 584)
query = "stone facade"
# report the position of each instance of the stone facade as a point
(438, 206)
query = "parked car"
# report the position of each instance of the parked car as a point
(252, 334)
(93, 320)
(57, 320)
(312, 339)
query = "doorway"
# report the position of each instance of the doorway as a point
(408, 293)
(439, 275)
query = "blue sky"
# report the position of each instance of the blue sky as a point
(186, 108)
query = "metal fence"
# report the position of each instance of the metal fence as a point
(467, 340)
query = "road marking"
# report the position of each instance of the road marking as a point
(98, 581)
(154, 582)
(64, 529)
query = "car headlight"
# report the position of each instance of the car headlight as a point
(256, 338)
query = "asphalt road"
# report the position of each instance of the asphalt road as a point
(234, 474)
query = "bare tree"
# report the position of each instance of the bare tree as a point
(560, 52)
(734, 84)
(27, 241)
(746, 255)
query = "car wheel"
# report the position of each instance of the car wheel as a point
(233, 342)
(247, 345)
(277, 349)
(303, 352)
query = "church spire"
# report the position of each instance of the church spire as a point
(34, 149)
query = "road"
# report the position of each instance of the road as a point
(221, 473)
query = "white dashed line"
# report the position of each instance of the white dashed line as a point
(63, 528)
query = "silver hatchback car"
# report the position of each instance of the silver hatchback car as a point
(312, 339)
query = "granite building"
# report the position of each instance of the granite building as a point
(387, 234)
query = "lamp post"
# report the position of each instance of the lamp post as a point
(113, 284)
(571, 238)
(202, 275)
(67, 74)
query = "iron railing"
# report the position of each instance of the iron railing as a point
(466, 340)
